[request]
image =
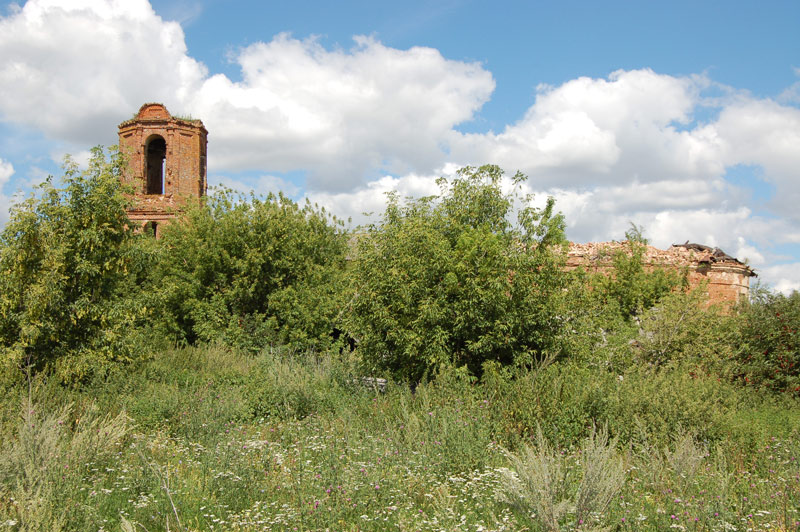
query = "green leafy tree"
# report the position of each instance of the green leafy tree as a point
(633, 286)
(684, 329)
(770, 344)
(451, 279)
(65, 273)
(249, 272)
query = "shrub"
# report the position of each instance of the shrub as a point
(543, 483)
(450, 279)
(633, 286)
(564, 400)
(66, 259)
(249, 272)
(770, 354)
(665, 401)
(291, 387)
(567, 398)
(683, 328)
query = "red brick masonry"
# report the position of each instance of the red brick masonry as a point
(728, 278)
(182, 174)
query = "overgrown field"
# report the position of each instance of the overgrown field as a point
(223, 377)
(211, 439)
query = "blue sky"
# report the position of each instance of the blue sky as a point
(683, 117)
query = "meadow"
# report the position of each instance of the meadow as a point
(211, 439)
(223, 376)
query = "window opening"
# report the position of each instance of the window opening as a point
(156, 165)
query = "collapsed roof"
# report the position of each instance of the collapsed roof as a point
(687, 254)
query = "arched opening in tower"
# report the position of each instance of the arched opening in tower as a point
(156, 150)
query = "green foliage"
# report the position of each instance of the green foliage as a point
(683, 328)
(211, 442)
(66, 264)
(275, 388)
(568, 398)
(634, 286)
(446, 287)
(770, 354)
(660, 403)
(563, 399)
(450, 279)
(250, 272)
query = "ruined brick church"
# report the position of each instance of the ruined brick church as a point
(167, 169)
(166, 163)
(727, 278)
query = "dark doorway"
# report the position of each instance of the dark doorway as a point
(156, 161)
(151, 228)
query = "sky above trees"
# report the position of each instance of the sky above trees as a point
(682, 117)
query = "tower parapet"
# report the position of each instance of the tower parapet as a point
(166, 163)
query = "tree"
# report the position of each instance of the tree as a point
(250, 272)
(65, 260)
(450, 279)
(770, 342)
(632, 287)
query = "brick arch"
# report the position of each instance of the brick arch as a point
(153, 111)
(155, 149)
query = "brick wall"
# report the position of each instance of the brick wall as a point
(728, 279)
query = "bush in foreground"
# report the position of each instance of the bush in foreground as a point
(67, 264)
(770, 354)
(452, 280)
(250, 272)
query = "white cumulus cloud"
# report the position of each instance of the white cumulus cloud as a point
(339, 114)
(74, 69)
(77, 68)
(6, 171)
(782, 277)
(765, 133)
(365, 204)
(631, 126)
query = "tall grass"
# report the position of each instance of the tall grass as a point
(211, 439)
(551, 488)
(52, 454)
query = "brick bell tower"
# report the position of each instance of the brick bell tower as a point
(166, 163)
